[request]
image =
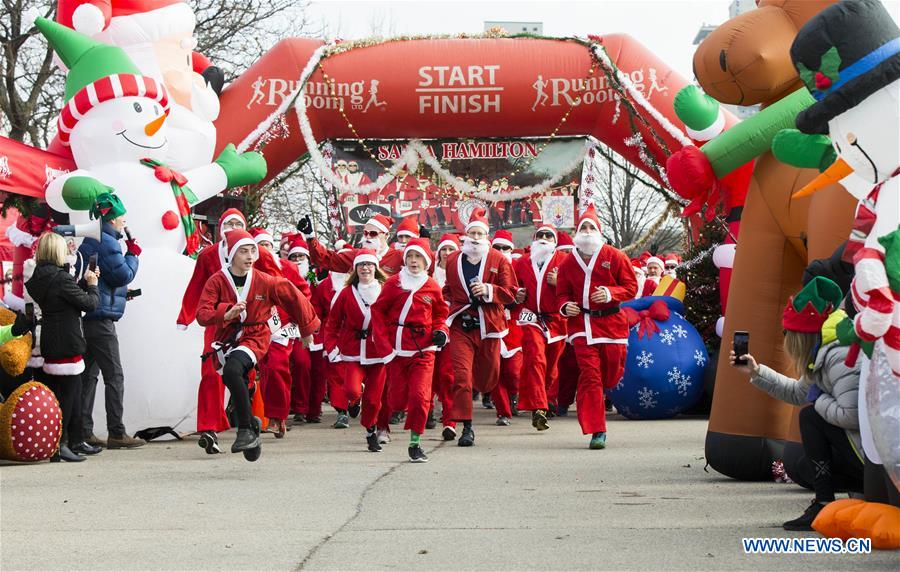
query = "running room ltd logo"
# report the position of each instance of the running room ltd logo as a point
(556, 91)
(450, 90)
(5, 171)
(319, 94)
(50, 173)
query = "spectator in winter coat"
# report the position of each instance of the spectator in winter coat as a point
(102, 355)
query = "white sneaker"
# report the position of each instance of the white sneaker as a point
(384, 436)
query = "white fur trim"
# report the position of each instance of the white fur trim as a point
(264, 237)
(88, 19)
(298, 250)
(549, 228)
(445, 243)
(73, 368)
(657, 260)
(365, 258)
(374, 222)
(711, 131)
(19, 237)
(420, 250)
(477, 223)
(232, 216)
(503, 241)
(35, 361)
(489, 296)
(407, 233)
(181, 327)
(238, 245)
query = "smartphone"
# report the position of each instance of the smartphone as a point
(92, 263)
(133, 294)
(29, 310)
(741, 347)
(128, 233)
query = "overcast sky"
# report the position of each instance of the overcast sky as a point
(667, 27)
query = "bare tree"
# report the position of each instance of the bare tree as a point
(633, 214)
(293, 193)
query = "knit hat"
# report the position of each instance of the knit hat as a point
(655, 260)
(549, 227)
(107, 206)
(365, 255)
(383, 223)
(228, 215)
(299, 246)
(503, 238)
(421, 246)
(808, 309)
(261, 235)
(589, 214)
(450, 240)
(236, 239)
(564, 241)
(408, 227)
(98, 72)
(478, 218)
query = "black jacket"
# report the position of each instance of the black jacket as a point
(61, 301)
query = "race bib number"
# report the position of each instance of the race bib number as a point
(424, 203)
(274, 321)
(527, 317)
(404, 206)
(290, 332)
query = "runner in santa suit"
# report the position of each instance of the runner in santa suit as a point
(358, 178)
(414, 312)
(543, 330)
(442, 380)
(563, 393)
(655, 267)
(591, 283)
(480, 283)
(505, 394)
(305, 388)
(275, 369)
(534, 207)
(640, 276)
(237, 302)
(359, 342)
(375, 237)
(211, 416)
(323, 297)
(672, 261)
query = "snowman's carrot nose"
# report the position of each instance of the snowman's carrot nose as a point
(833, 174)
(151, 128)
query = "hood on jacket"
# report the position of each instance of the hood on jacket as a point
(41, 279)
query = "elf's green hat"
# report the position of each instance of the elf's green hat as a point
(107, 206)
(891, 244)
(88, 60)
(808, 310)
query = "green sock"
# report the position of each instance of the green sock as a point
(413, 439)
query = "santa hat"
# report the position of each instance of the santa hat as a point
(589, 214)
(645, 256)
(299, 246)
(383, 223)
(450, 240)
(656, 260)
(288, 237)
(365, 255)
(564, 241)
(808, 310)
(548, 227)
(236, 239)
(228, 215)
(98, 72)
(261, 235)
(503, 238)
(408, 227)
(93, 16)
(478, 218)
(671, 260)
(421, 246)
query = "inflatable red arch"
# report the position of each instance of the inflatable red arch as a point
(453, 88)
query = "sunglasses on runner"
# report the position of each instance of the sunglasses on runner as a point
(371, 233)
(543, 234)
(502, 248)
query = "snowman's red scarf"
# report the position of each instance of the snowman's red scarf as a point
(184, 196)
(863, 221)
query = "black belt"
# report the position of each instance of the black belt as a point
(601, 313)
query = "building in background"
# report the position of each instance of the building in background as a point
(517, 27)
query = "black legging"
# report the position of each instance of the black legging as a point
(831, 455)
(879, 487)
(237, 365)
(67, 389)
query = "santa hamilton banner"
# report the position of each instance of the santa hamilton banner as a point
(500, 167)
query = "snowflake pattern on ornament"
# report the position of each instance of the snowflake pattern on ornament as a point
(679, 331)
(681, 381)
(645, 360)
(646, 397)
(667, 337)
(699, 358)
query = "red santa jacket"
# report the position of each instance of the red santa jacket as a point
(539, 309)
(410, 317)
(351, 333)
(494, 271)
(341, 261)
(260, 292)
(323, 296)
(609, 268)
(210, 260)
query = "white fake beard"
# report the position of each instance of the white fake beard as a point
(399, 246)
(542, 250)
(303, 267)
(440, 276)
(369, 292)
(588, 243)
(338, 280)
(507, 254)
(475, 250)
(372, 243)
(410, 281)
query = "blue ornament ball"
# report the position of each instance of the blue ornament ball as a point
(663, 370)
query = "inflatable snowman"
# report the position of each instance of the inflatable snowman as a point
(114, 121)
(849, 58)
(157, 35)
